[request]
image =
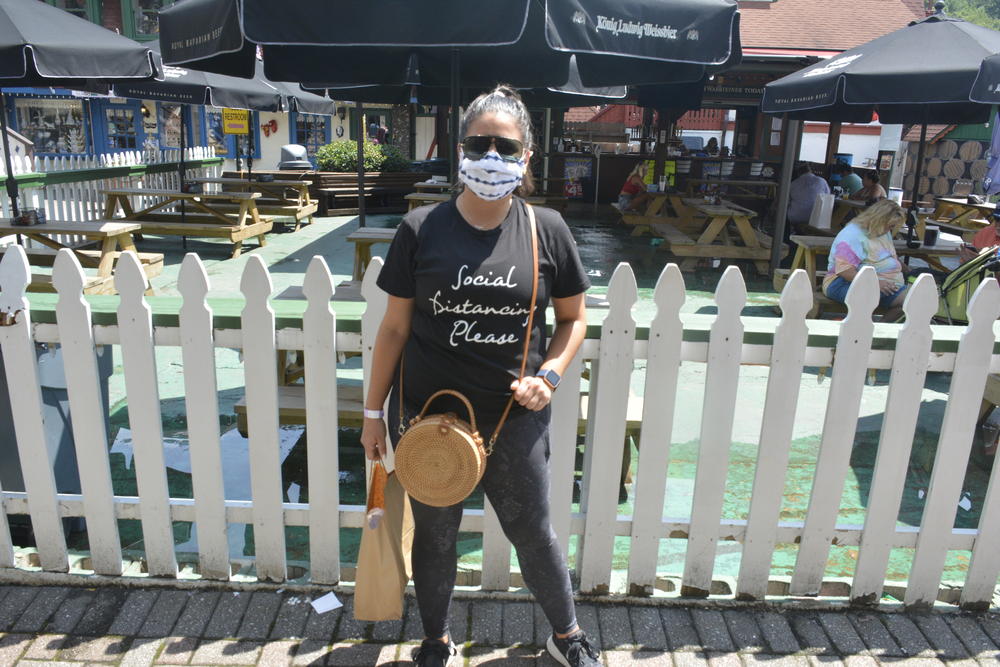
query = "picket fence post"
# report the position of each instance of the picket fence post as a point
(663, 362)
(201, 400)
(259, 353)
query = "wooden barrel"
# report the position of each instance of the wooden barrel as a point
(970, 150)
(947, 149)
(908, 183)
(934, 167)
(942, 186)
(925, 186)
(930, 150)
(954, 169)
(977, 170)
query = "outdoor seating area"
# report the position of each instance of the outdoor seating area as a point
(755, 372)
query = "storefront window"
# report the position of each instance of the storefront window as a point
(169, 125)
(312, 131)
(145, 18)
(214, 136)
(55, 126)
(123, 133)
(85, 9)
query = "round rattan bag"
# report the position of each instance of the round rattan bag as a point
(440, 458)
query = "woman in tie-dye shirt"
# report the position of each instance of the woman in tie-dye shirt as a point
(867, 241)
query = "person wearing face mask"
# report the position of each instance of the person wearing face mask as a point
(459, 279)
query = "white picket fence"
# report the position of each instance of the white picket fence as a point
(722, 343)
(80, 200)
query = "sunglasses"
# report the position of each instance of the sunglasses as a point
(475, 147)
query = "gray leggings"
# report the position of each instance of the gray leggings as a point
(517, 484)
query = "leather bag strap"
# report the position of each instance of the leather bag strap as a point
(524, 354)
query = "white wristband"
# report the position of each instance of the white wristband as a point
(373, 414)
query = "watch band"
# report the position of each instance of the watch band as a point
(373, 414)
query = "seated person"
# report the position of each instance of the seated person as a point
(987, 237)
(633, 193)
(849, 181)
(712, 147)
(870, 191)
(867, 241)
(802, 194)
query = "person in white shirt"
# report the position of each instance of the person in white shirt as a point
(802, 194)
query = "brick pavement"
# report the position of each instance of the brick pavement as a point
(142, 627)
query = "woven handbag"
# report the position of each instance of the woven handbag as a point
(440, 458)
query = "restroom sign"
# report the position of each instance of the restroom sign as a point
(235, 121)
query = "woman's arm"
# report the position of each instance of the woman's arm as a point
(570, 330)
(884, 286)
(389, 341)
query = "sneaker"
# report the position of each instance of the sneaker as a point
(573, 651)
(435, 653)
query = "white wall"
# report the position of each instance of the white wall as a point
(864, 147)
(425, 136)
(270, 147)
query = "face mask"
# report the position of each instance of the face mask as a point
(490, 178)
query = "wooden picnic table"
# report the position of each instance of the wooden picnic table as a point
(363, 240)
(958, 212)
(418, 199)
(737, 188)
(433, 186)
(808, 249)
(662, 207)
(205, 217)
(114, 238)
(841, 208)
(714, 235)
(286, 198)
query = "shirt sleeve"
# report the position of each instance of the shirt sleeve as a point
(570, 277)
(847, 252)
(397, 275)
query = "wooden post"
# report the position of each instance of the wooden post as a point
(832, 142)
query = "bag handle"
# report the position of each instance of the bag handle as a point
(459, 396)
(524, 354)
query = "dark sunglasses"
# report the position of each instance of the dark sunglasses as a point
(475, 147)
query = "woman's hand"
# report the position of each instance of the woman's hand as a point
(373, 438)
(531, 392)
(887, 286)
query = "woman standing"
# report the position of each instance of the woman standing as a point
(867, 241)
(459, 279)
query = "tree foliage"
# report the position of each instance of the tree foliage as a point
(984, 12)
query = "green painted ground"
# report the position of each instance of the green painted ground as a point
(602, 246)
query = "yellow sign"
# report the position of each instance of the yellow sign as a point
(235, 121)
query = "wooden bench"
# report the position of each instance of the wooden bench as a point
(286, 198)
(152, 262)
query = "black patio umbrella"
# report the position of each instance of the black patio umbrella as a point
(524, 42)
(187, 86)
(986, 87)
(41, 45)
(923, 73)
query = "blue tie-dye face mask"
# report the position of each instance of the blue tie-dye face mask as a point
(490, 177)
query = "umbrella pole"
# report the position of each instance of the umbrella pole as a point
(180, 173)
(547, 142)
(453, 119)
(793, 135)
(911, 219)
(8, 162)
(359, 110)
(250, 147)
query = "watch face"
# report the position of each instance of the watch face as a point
(550, 377)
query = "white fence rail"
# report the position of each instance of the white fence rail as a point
(723, 343)
(76, 196)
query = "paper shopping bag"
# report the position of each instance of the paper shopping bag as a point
(384, 559)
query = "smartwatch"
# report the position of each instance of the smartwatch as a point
(549, 377)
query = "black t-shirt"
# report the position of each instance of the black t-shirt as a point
(472, 291)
